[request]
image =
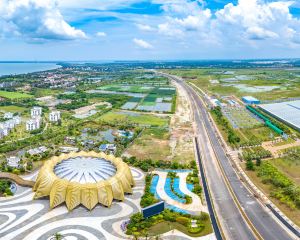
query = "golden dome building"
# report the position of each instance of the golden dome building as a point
(86, 178)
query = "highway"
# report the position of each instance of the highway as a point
(240, 214)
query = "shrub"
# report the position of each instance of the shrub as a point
(250, 165)
(203, 216)
(183, 220)
(169, 215)
(16, 171)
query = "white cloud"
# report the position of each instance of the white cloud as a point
(101, 34)
(142, 43)
(145, 27)
(96, 4)
(170, 30)
(258, 33)
(248, 20)
(258, 20)
(36, 20)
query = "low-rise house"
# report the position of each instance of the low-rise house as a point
(68, 149)
(13, 161)
(88, 143)
(1, 133)
(38, 150)
(8, 115)
(110, 148)
(70, 140)
(36, 112)
(33, 124)
(5, 130)
(17, 120)
(10, 124)
(54, 116)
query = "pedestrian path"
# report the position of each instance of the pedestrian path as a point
(165, 193)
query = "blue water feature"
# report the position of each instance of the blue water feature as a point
(167, 188)
(175, 170)
(171, 194)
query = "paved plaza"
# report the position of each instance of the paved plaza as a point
(22, 218)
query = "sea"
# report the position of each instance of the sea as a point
(8, 68)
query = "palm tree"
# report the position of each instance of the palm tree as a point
(57, 236)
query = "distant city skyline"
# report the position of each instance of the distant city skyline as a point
(95, 30)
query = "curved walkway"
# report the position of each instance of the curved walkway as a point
(23, 218)
(17, 179)
(195, 207)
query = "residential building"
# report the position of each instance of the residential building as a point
(1, 133)
(38, 150)
(5, 130)
(54, 116)
(13, 161)
(8, 115)
(17, 120)
(33, 124)
(110, 148)
(10, 124)
(68, 149)
(36, 112)
(70, 140)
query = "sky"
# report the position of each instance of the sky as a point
(100, 30)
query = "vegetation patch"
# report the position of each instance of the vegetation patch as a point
(5, 188)
(14, 95)
(167, 221)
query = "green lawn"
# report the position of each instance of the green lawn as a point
(14, 95)
(42, 92)
(164, 227)
(142, 119)
(12, 108)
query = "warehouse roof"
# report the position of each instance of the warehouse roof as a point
(288, 112)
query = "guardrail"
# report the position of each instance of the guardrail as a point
(286, 223)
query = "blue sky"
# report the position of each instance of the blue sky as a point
(149, 29)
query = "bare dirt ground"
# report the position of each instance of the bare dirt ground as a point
(86, 109)
(276, 150)
(181, 130)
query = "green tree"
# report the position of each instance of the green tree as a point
(250, 165)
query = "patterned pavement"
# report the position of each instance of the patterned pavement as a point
(22, 218)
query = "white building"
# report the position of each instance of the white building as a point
(17, 120)
(13, 161)
(5, 130)
(68, 149)
(38, 150)
(10, 124)
(8, 115)
(54, 116)
(33, 124)
(36, 112)
(1, 133)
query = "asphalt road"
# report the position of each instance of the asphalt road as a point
(232, 221)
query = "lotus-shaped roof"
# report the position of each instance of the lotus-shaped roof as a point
(85, 178)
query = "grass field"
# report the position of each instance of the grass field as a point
(14, 95)
(164, 227)
(12, 108)
(291, 167)
(152, 144)
(287, 84)
(42, 92)
(141, 119)
(293, 214)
